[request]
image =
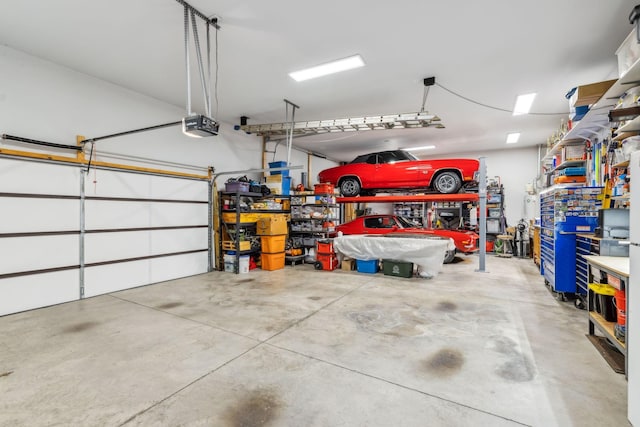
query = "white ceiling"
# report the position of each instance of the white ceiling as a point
(489, 51)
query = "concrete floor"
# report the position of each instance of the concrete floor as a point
(299, 347)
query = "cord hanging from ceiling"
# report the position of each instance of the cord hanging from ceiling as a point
(495, 108)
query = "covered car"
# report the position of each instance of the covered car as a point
(465, 241)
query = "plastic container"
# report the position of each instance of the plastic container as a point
(243, 264)
(273, 244)
(272, 262)
(279, 165)
(370, 267)
(237, 186)
(628, 53)
(397, 268)
(620, 301)
(323, 188)
(603, 301)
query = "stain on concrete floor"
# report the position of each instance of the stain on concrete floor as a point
(444, 363)
(169, 305)
(257, 408)
(80, 327)
(446, 306)
(517, 367)
(5, 374)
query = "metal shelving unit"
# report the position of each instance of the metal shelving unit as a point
(239, 205)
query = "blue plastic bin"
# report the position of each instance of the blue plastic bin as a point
(286, 184)
(279, 165)
(370, 267)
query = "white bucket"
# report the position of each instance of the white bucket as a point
(243, 266)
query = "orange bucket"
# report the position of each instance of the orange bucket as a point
(621, 304)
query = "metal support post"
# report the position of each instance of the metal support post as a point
(482, 218)
(83, 173)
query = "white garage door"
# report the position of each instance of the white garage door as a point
(65, 234)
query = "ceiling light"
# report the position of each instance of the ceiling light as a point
(426, 147)
(512, 138)
(523, 104)
(344, 64)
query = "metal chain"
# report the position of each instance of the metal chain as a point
(203, 79)
(186, 57)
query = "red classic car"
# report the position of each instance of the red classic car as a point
(391, 170)
(465, 241)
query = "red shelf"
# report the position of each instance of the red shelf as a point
(467, 197)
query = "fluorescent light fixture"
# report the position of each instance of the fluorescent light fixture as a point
(426, 147)
(523, 104)
(332, 67)
(512, 138)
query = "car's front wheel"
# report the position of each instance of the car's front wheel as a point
(447, 182)
(449, 256)
(350, 187)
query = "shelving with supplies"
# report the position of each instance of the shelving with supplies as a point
(310, 221)
(239, 213)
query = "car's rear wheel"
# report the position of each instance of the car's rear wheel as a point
(350, 187)
(449, 256)
(447, 182)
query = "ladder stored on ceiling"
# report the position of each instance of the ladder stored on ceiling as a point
(394, 121)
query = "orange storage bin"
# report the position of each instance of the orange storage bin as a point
(273, 244)
(323, 188)
(272, 261)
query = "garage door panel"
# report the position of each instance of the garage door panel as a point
(115, 246)
(18, 176)
(19, 215)
(20, 254)
(117, 184)
(179, 189)
(102, 214)
(174, 214)
(116, 277)
(100, 247)
(34, 291)
(169, 268)
(189, 239)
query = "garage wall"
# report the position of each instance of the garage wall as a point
(42, 100)
(278, 152)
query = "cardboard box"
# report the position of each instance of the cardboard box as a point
(348, 264)
(271, 225)
(589, 94)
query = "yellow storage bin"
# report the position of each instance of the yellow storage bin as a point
(272, 261)
(602, 289)
(230, 217)
(230, 245)
(273, 244)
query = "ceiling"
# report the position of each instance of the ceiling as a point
(489, 51)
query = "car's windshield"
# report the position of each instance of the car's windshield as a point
(407, 223)
(385, 157)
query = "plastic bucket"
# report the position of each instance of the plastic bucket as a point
(243, 264)
(620, 303)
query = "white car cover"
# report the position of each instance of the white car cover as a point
(427, 253)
